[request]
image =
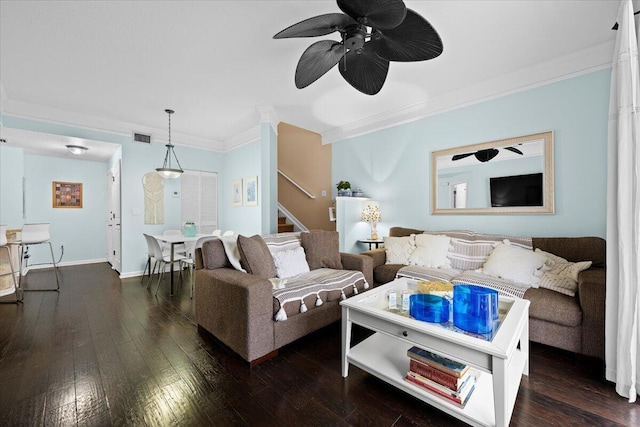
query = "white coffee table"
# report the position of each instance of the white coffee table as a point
(503, 359)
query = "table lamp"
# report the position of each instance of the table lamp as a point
(371, 213)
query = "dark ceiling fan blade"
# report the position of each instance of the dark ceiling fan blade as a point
(381, 14)
(513, 149)
(413, 40)
(486, 155)
(319, 58)
(461, 156)
(317, 26)
(365, 71)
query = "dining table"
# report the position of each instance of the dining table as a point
(176, 239)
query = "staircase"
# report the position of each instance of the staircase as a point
(283, 226)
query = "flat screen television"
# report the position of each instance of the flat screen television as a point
(516, 190)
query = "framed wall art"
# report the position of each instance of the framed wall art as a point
(67, 194)
(250, 186)
(236, 193)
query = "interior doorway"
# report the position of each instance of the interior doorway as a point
(114, 236)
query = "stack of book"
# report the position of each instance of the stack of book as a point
(441, 376)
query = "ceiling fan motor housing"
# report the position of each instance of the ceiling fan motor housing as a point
(354, 37)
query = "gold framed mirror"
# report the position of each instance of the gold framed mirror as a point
(508, 176)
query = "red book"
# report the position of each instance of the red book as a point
(454, 383)
(458, 399)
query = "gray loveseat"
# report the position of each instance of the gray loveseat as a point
(574, 323)
(240, 308)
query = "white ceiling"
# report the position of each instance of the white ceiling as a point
(116, 66)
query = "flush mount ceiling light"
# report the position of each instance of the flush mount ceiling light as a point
(166, 171)
(77, 150)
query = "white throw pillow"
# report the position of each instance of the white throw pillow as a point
(431, 251)
(290, 263)
(230, 244)
(561, 275)
(399, 249)
(514, 263)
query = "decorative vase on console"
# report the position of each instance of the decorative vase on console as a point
(344, 189)
(371, 214)
(189, 229)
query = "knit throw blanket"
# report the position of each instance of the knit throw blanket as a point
(316, 282)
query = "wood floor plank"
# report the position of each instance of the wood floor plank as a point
(108, 352)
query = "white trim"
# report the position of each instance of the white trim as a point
(56, 116)
(568, 66)
(292, 218)
(572, 65)
(243, 138)
(268, 115)
(43, 266)
(285, 176)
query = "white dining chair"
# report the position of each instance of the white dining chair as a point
(37, 234)
(162, 259)
(151, 260)
(216, 233)
(190, 262)
(14, 289)
(227, 233)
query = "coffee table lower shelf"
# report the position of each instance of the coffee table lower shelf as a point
(386, 357)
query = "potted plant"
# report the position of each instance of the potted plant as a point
(344, 188)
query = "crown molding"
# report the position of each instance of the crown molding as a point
(268, 115)
(243, 138)
(585, 61)
(67, 118)
(582, 62)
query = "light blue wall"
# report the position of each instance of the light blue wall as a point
(137, 159)
(82, 231)
(393, 165)
(243, 162)
(11, 174)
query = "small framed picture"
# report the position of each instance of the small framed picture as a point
(332, 213)
(67, 194)
(236, 193)
(250, 186)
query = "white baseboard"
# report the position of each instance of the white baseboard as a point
(62, 264)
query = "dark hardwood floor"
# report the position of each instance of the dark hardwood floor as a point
(105, 351)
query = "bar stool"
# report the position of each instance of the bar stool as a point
(4, 245)
(37, 234)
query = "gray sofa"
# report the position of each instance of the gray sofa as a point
(240, 308)
(571, 323)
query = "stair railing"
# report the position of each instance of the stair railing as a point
(285, 176)
(296, 223)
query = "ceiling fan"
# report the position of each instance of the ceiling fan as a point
(373, 32)
(486, 154)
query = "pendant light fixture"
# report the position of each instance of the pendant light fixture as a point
(166, 171)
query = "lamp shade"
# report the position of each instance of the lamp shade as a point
(371, 213)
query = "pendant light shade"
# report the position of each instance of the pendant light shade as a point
(167, 171)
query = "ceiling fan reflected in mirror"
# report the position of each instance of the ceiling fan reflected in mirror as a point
(486, 154)
(372, 32)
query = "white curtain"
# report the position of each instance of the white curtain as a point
(623, 211)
